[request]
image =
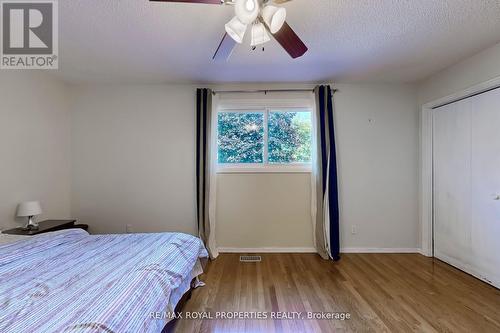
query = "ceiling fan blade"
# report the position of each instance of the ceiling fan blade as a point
(213, 2)
(279, 2)
(225, 48)
(290, 41)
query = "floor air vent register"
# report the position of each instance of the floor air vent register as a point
(250, 258)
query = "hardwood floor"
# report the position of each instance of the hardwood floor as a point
(382, 293)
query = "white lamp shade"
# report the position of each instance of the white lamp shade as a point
(259, 34)
(29, 208)
(247, 10)
(274, 17)
(236, 29)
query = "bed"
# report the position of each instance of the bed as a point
(70, 281)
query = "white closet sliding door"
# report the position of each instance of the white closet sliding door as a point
(452, 183)
(466, 183)
(486, 185)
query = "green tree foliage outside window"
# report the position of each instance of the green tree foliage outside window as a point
(241, 137)
(289, 137)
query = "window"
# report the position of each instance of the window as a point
(289, 137)
(264, 140)
(240, 137)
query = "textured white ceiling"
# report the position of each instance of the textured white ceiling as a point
(137, 41)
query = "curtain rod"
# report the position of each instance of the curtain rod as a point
(265, 91)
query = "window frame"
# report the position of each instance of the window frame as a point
(265, 107)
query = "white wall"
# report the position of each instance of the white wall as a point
(264, 211)
(259, 210)
(377, 133)
(133, 163)
(133, 157)
(34, 145)
(474, 70)
(377, 140)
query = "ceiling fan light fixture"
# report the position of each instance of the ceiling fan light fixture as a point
(247, 10)
(259, 34)
(236, 29)
(274, 17)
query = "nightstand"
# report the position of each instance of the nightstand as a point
(47, 226)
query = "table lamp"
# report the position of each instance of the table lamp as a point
(29, 209)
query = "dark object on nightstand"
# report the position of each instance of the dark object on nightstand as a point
(47, 226)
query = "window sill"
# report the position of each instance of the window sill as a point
(265, 169)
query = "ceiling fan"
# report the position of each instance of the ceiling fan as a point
(263, 17)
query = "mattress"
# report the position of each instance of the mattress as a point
(70, 281)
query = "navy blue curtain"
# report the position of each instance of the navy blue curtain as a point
(203, 134)
(327, 174)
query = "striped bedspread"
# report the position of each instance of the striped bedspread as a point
(70, 281)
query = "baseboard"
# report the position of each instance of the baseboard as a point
(313, 250)
(424, 253)
(267, 250)
(379, 250)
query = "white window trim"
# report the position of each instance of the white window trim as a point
(265, 106)
(265, 168)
